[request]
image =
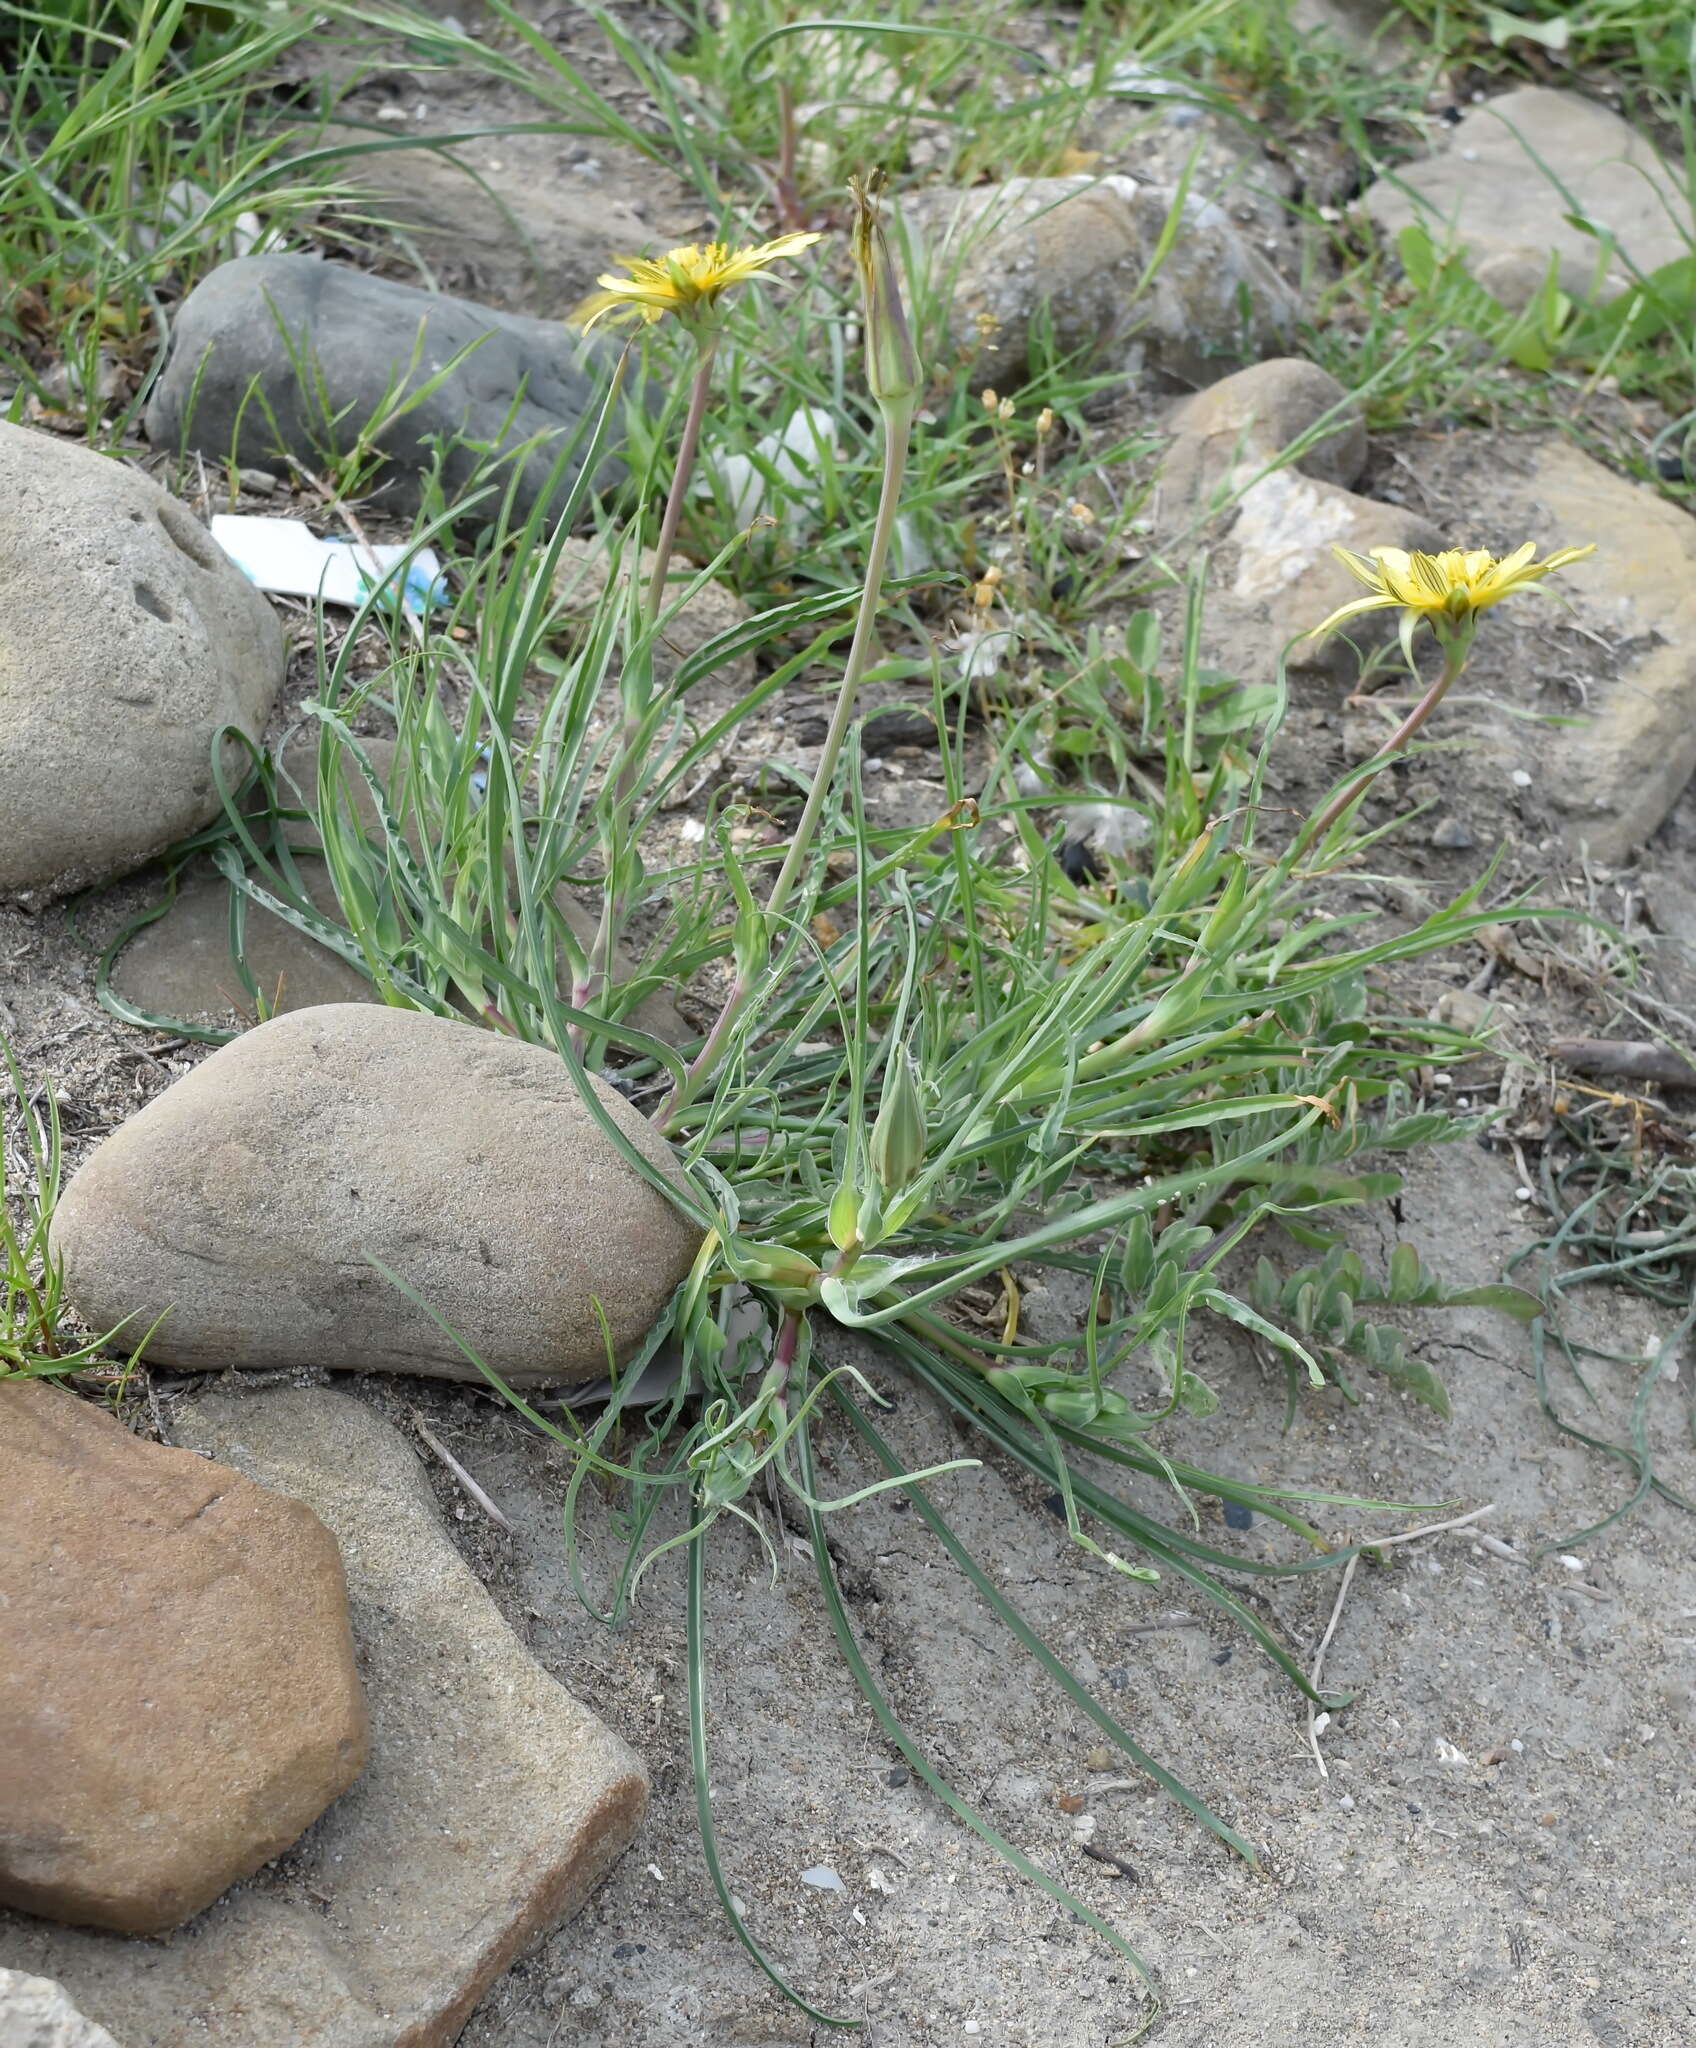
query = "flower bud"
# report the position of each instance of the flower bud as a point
(898, 1137)
(843, 1219)
(790, 1277)
(892, 362)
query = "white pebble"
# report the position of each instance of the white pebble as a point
(1522, 1194)
(1520, 779)
(1573, 1564)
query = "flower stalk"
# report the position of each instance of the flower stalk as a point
(1455, 651)
(895, 379)
(683, 471)
(687, 283)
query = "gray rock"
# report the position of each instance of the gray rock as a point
(1082, 247)
(1489, 189)
(1374, 32)
(240, 1205)
(1232, 430)
(492, 1804)
(1157, 130)
(242, 330)
(1453, 835)
(180, 967)
(1616, 774)
(37, 2013)
(1287, 525)
(127, 639)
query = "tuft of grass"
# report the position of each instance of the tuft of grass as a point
(136, 151)
(37, 1328)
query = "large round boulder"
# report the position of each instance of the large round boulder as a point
(127, 639)
(250, 1208)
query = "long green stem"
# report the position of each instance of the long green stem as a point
(611, 919)
(898, 423)
(1454, 660)
(683, 472)
(897, 430)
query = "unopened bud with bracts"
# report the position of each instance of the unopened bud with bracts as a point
(892, 362)
(898, 1137)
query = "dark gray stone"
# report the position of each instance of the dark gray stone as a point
(232, 387)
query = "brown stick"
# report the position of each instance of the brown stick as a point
(1624, 1059)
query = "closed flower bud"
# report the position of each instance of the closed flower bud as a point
(892, 362)
(898, 1137)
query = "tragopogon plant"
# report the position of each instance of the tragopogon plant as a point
(939, 1067)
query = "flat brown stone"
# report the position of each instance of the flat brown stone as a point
(492, 1804)
(178, 1693)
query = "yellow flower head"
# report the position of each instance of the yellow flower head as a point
(1449, 589)
(684, 281)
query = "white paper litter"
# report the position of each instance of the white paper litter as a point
(285, 557)
(785, 461)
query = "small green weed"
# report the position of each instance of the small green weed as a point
(34, 1337)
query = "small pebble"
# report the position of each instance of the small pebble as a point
(1522, 1194)
(1452, 835)
(1520, 779)
(259, 483)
